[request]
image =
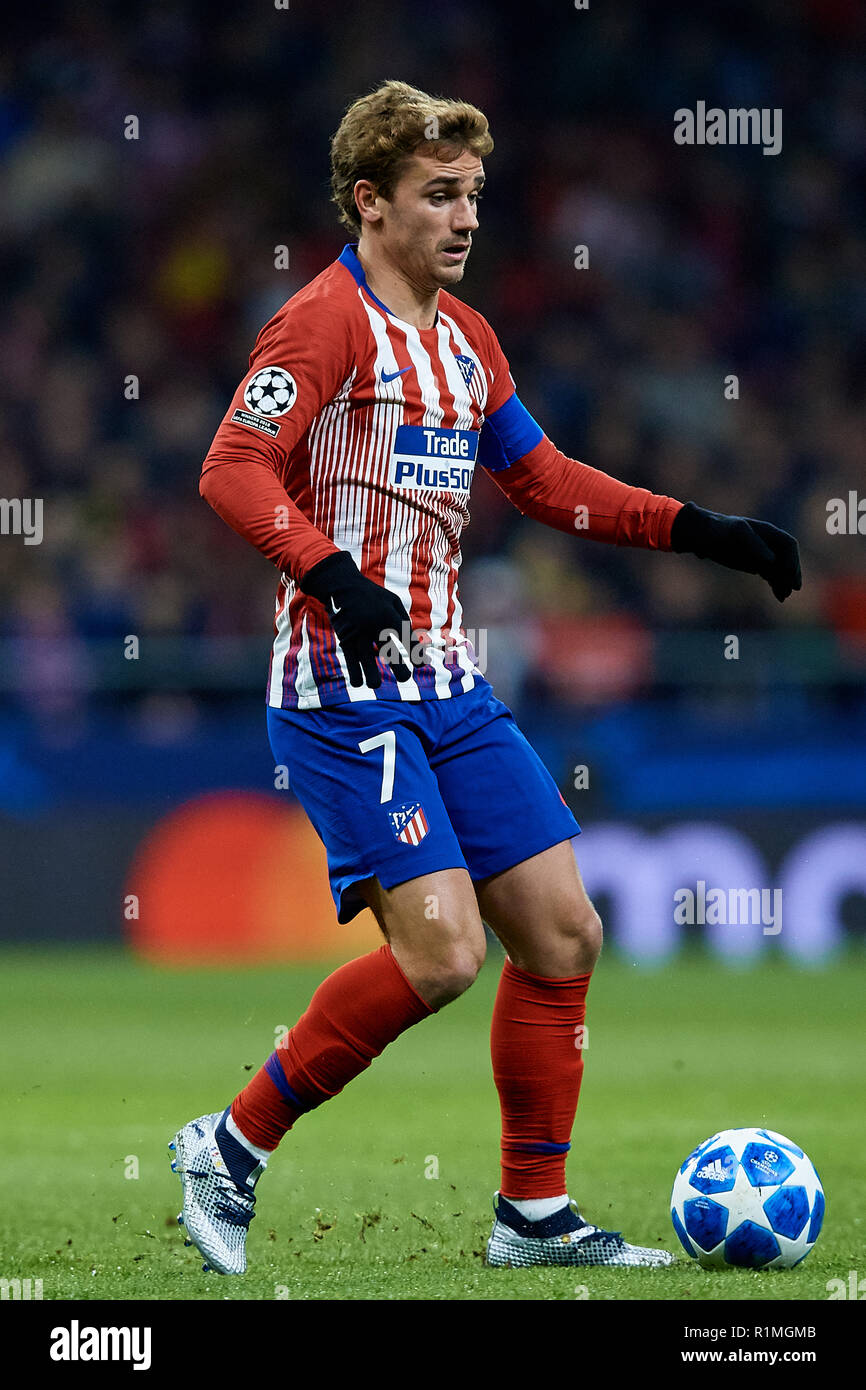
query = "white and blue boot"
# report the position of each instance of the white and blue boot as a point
(218, 1175)
(561, 1239)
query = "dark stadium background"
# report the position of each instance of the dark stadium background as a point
(154, 257)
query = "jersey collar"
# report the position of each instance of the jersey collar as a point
(348, 257)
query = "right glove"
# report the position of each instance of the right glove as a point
(739, 543)
(362, 614)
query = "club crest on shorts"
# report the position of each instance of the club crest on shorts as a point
(409, 822)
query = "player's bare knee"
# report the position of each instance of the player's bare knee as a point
(456, 967)
(593, 930)
(581, 932)
(461, 969)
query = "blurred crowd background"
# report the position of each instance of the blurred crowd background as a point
(154, 257)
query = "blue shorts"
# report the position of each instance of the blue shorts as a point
(396, 790)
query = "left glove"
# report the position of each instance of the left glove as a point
(740, 543)
(363, 614)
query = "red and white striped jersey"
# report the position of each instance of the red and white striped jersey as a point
(355, 431)
(371, 427)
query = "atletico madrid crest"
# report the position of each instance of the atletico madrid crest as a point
(409, 822)
(466, 365)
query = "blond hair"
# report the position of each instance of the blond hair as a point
(380, 131)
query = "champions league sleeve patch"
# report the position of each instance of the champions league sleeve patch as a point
(271, 391)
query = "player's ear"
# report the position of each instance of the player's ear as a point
(367, 201)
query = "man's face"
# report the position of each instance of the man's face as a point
(427, 226)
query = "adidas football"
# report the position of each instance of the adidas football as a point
(747, 1197)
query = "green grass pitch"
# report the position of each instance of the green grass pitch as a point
(105, 1057)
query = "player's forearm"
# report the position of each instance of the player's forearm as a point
(248, 496)
(571, 496)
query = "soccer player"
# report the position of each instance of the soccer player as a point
(346, 456)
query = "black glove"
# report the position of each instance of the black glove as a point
(741, 543)
(362, 614)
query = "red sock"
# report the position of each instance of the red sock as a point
(536, 1040)
(351, 1018)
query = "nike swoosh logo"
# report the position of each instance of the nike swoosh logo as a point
(334, 606)
(389, 376)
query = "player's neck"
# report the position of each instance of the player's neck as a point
(388, 284)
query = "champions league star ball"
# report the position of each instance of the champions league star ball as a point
(271, 391)
(749, 1198)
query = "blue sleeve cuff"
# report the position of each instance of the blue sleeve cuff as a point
(506, 435)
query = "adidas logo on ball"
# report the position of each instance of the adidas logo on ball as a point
(715, 1171)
